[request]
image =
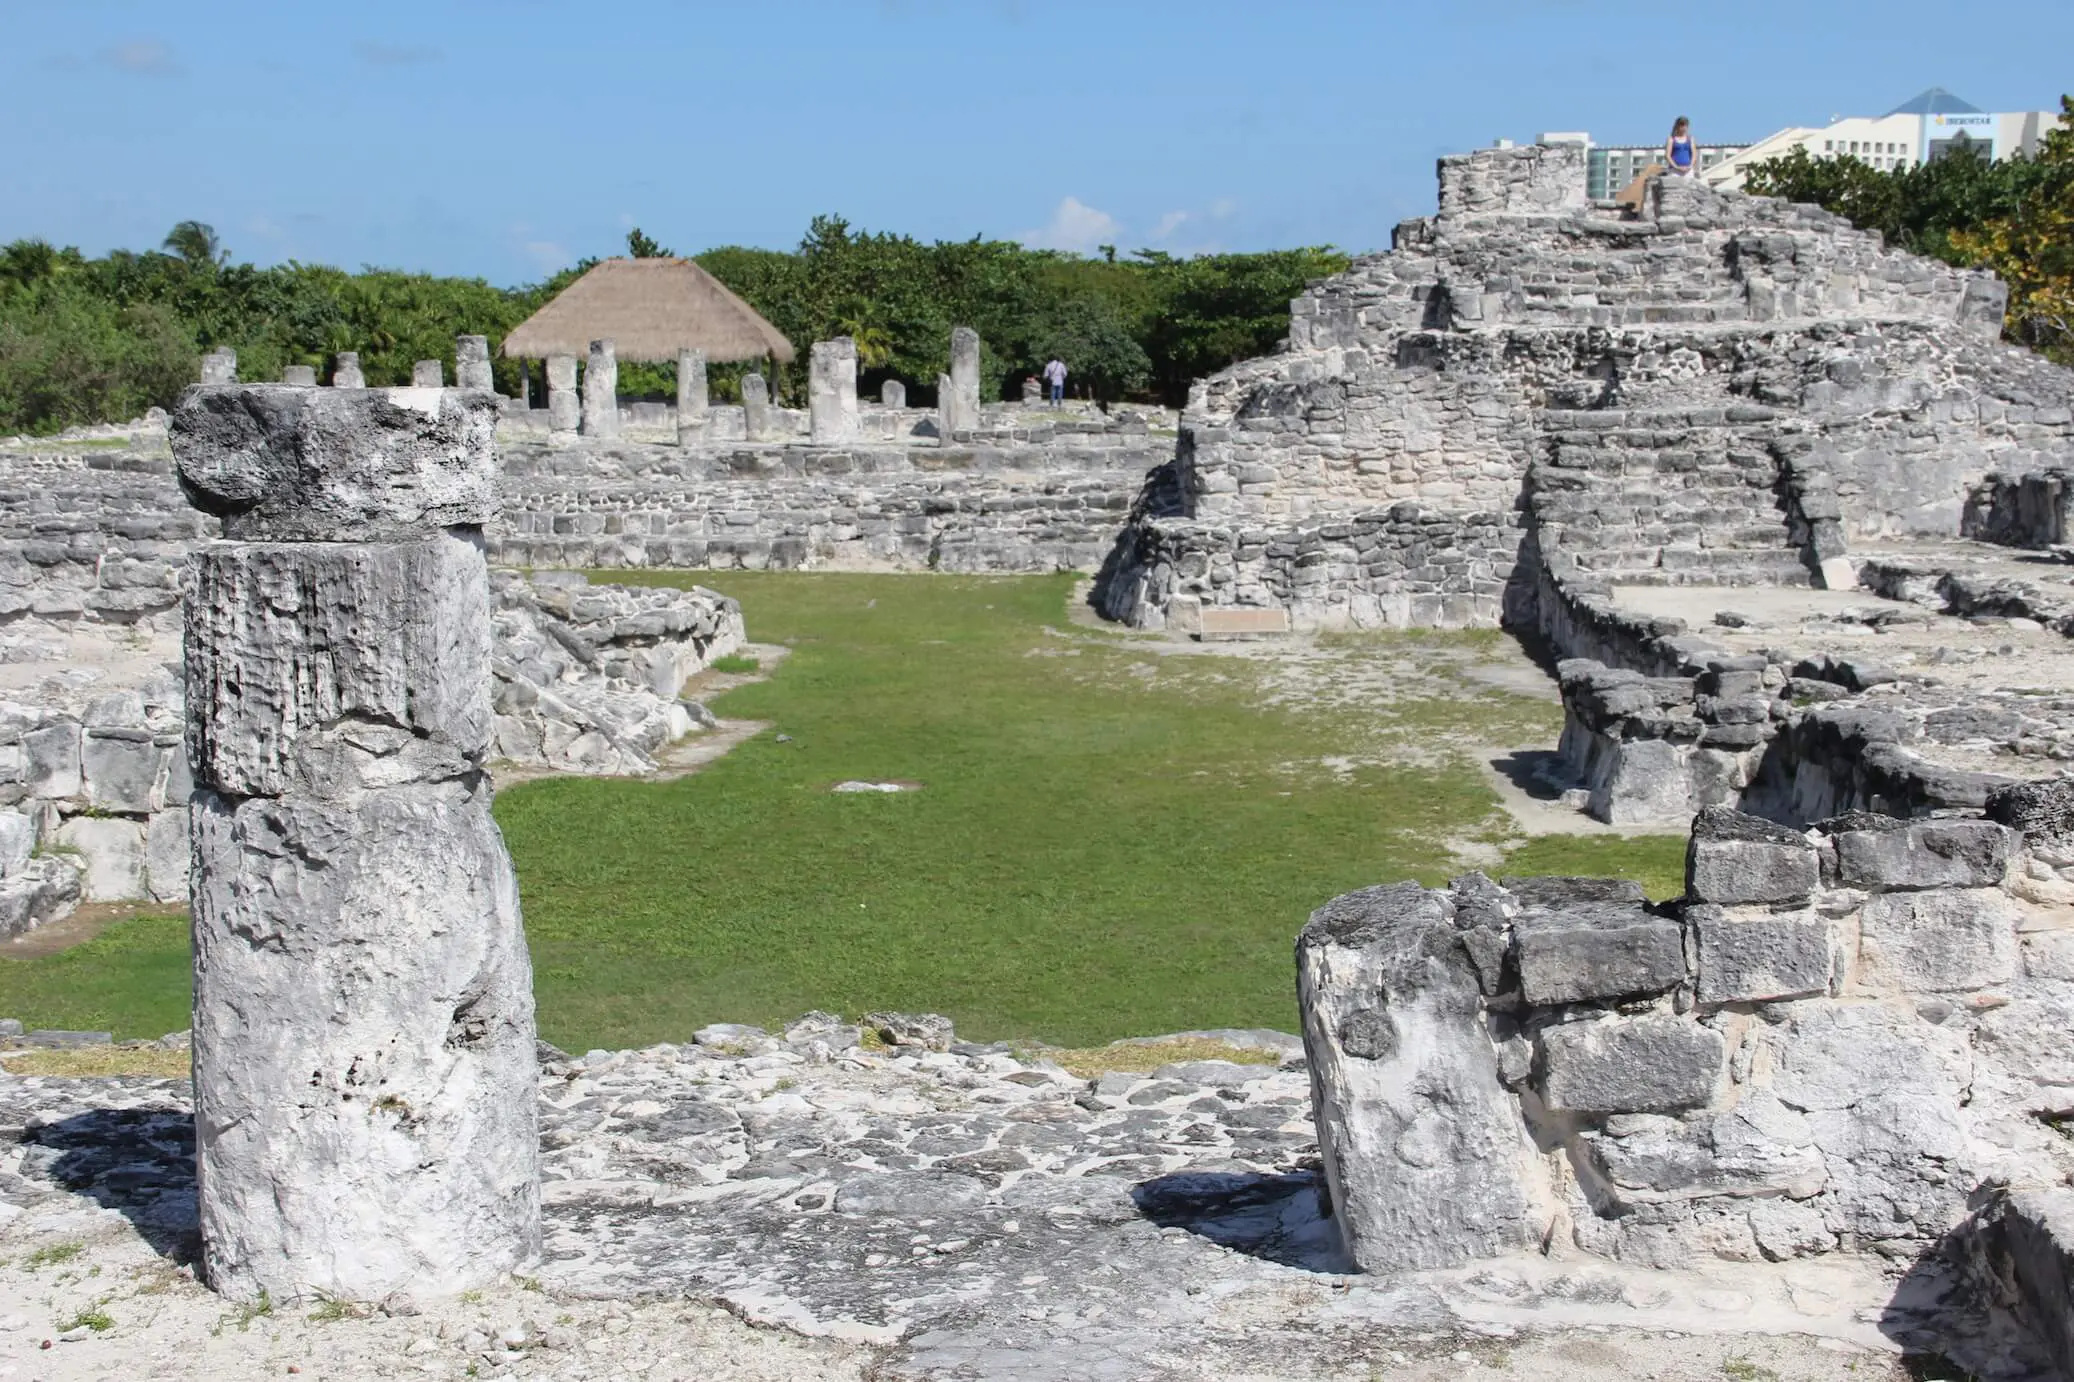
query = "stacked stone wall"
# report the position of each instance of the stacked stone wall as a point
(1828, 1044)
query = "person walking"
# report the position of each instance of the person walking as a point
(1681, 159)
(1055, 375)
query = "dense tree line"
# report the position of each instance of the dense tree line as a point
(2014, 215)
(88, 340)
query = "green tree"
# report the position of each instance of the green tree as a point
(195, 243)
(640, 246)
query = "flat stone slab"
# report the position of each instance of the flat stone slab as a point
(971, 1215)
(1219, 624)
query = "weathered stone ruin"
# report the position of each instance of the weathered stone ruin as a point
(363, 1011)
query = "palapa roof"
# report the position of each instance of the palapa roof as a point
(650, 309)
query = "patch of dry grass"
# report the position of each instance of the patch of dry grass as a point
(1142, 1058)
(88, 1061)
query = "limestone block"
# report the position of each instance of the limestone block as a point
(601, 392)
(1926, 854)
(51, 761)
(363, 1046)
(124, 770)
(1426, 1159)
(166, 854)
(756, 407)
(44, 890)
(299, 376)
(1761, 1147)
(111, 851)
(428, 374)
(564, 406)
(1841, 1055)
(319, 666)
(336, 464)
(220, 366)
(893, 394)
(1754, 955)
(1644, 782)
(17, 842)
(958, 404)
(1930, 942)
(1736, 858)
(1651, 1064)
(345, 371)
(472, 363)
(692, 397)
(2032, 1039)
(832, 392)
(1596, 950)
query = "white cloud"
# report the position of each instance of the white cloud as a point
(1167, 225)
(1075, 226)
(144, 57)
(548, 254)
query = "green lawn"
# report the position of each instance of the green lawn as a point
(1109, 840)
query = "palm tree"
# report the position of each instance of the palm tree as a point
(196, 243)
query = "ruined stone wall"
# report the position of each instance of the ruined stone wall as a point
(1688, 376)
(1826, 1045)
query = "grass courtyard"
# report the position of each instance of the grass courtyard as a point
(1112, 836)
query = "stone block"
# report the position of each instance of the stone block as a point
(428, 374)
(1425, 1157)
(472, 368)
(363, 1045)
(166, 853)
(42, 891)
(17, 842)
(1760, 1147)
(124, 771)
(1939, 941)
(1222, 623)
(1841, 1055)
(2042, 810)
(1589, 951)
(1755, 956)
(345, 371)
(299, 376)
(832, 392)
(893, 394)
(51, 761)
(278, 463)
(601, 392)
(1926, 854)
(1735, 858)
(1642, 782)
(111, 853)
(327, 665)
(1652, 1064)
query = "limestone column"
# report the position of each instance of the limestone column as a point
(564, 411)
(601, 392)
(893, 394)
(364, 1069)
(472, 363)
(691, 396)
(959, 405)
(756, 407)
(220, 366)
(428, 374)
(832, 392)
(345, 371)
(301, 376)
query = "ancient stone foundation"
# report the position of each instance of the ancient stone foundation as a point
(1830, 1043)
(363, 1015)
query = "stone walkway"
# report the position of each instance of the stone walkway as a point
(919, 1214)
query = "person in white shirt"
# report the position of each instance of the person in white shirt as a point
(1055, 375)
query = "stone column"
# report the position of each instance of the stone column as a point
(472, 363)
(428, 374)
(564, 410)
(601, 392)
(756, 407)
(893, 394)
(691, 396)
(345, 371)
(832, 392)
(958, 405)
(300, 376)
(220, 366)
(525, 382)
(364, 1071)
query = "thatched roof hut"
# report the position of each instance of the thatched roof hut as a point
(651, 309)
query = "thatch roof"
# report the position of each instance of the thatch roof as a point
(650, 309)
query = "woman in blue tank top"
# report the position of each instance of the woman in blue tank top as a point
(1678, 150)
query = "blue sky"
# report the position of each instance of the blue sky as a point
(506, 138)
